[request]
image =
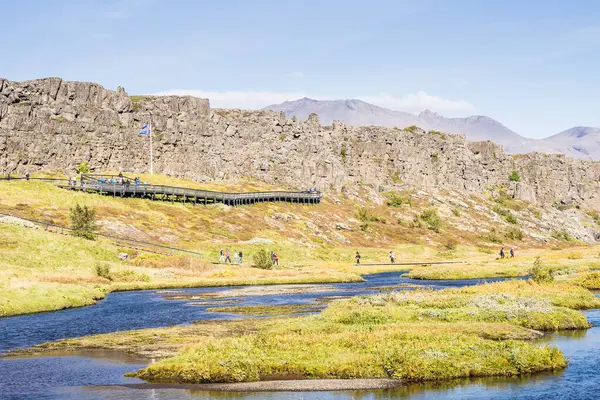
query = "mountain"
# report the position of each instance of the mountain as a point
(579, 142)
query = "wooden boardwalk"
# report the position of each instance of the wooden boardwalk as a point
(126, 187)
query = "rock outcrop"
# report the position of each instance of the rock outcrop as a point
(52, 124)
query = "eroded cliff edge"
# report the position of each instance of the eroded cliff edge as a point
(51, 124)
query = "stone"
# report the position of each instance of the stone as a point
(51, 124)
(123, 256)
(340, 226)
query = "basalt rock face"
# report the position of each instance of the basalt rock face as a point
(52, 124)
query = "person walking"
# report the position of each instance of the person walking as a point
(227, 256)
(357, 258)
(221, 256)
(502, 253)
(27, 176)
(240, 255)
(275, 259)
(392, 257)
(512, 253)
(235, 257)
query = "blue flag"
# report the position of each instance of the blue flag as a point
(145, 130)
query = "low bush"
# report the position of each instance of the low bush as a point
(511, 219)
(540, 273)
(103, 270)
(514, 234)
(562, 235)
(395, 200)
(129, 275)
(451, 244)
(432, 219)
(492, 236)
(514, 176)
(262, 260)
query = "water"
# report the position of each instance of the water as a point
(89, 374)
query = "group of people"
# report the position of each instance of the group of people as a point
(502, 255)
(225, 257)
(312, 190)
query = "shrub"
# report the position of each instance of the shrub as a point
(492, 236)
(262, 260)
(562, 235)
(396, 178)
(365, 214)
(540, 273)
(456, 212)
(594, 215)
(103, 270)
(451, 244)
(344, 152)
(395, 200)
(574, 256)
(83, 222)
(500, 211)
(514, 234)
(411, 129)
(514, 176)
(432, 219)
(129, 275)
(511, 219)
(83, 168)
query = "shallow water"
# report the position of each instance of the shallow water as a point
(86, 375)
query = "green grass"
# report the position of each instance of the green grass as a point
(589, 281)
(412, 335)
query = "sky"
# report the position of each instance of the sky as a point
(533, 65)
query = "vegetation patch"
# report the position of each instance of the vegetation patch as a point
(416, 335)
(589, 281)
(257, 311)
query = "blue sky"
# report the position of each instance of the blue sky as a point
(533, 65)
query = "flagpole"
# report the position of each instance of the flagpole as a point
(150, 130)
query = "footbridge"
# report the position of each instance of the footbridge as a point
(124, 186)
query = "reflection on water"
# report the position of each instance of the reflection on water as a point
(82, 375)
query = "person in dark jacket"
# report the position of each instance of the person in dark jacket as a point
(357, 258)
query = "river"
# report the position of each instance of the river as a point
(95, 374)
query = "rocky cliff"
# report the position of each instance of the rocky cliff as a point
(51, 124)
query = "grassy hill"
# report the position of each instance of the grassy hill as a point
(43, 270)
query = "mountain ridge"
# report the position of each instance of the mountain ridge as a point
(579, 142)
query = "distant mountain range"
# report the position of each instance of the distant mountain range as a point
(579, 142)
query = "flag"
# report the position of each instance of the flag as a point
(145, 130)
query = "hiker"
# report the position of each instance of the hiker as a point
(357, 258)
(275, 259)
(227, 257)
(112, 180)
(27, 176)
(502, 253)
(392, 257)
(512, 253)
(240, 255)
(236, 257)
(221, 256)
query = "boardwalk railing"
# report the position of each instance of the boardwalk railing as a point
(117, 240)
(123, 186)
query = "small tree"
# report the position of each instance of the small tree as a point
(262, 260)
(83, 222)
(540, 273)
(514, 176)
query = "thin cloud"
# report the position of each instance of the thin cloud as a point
(418, 102)
(256, 100)
(296, 75)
